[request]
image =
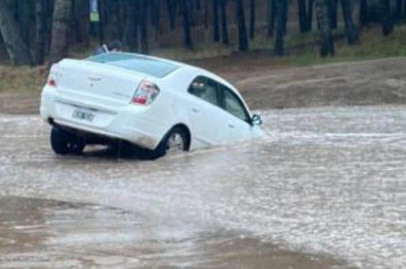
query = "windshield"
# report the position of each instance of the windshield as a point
(136, 63)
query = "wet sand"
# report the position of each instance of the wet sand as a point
(40, 233)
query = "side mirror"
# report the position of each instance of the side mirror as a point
(256, 120)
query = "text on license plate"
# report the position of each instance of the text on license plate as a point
(83, 115)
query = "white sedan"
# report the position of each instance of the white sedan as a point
(158, 105)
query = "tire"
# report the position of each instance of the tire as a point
(175, 141)
(63, 143)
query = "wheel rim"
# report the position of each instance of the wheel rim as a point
(175, 144)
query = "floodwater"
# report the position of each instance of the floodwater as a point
(326, 188)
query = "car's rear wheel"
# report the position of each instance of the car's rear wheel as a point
(63, 142)
(175, 141)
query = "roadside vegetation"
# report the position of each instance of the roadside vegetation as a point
(371, 45)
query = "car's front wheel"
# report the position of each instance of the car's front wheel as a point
(63, 143)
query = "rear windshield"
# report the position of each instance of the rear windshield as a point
(136, 63)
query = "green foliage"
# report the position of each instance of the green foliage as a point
(372, 45)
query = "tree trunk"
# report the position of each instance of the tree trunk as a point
(81, 21)
(224, 22)
(363, 12)
(171, 5)
(326, 36)
(280, 12)
(242, 28)
(387, 22)
(17, 49)
(333, 4)
(271, 17)
(49, 7)
(309, 16)
(399, 8)
(216, 21)
(206, 14)
(350, 30)
(156, 17)
(40, 31)
(144, 27)
(252, 19)
(102, 22)
(404, 10)
(285, 7)
(25, 14)
(301, 13)
(186, 25)
(113, 26)
(60, 28)
(305, 15)
(131, 35)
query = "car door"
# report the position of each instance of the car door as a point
(237, 118)
(204, 112)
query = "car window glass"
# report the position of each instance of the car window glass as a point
(233, 105)
(145, 65)
(205, 89)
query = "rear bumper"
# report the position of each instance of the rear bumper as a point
(131, 123)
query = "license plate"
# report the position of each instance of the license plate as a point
(83, 115)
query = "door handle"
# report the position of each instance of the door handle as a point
(195, 110)
(232, 126)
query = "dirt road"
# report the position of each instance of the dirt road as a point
(325, 189)
(265, 85)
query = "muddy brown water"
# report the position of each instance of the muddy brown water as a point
(325, 188)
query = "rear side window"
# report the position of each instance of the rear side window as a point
(205, 89)
(151, 67)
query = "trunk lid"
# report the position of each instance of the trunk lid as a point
(96, 84)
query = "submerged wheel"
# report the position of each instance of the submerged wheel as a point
(175, 141)
(63, 143)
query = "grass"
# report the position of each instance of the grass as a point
(372, 45)
(21, 79)
(301, 48)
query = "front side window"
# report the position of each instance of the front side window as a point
(205, 89)
(233, 105)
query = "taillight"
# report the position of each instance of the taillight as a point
(53, 76)
(52, 82)
(146, 93)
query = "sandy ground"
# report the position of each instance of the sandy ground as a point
(266, 84)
